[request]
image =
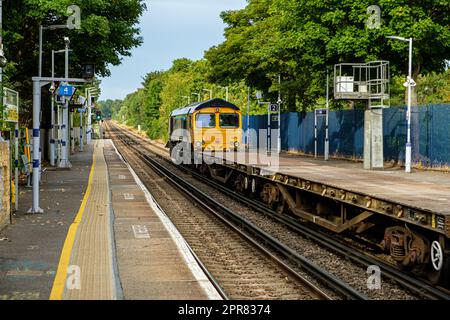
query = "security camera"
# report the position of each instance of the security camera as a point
(67, 40)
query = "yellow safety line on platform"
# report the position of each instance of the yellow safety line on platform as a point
(61, 273)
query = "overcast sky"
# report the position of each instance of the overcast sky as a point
(171, 29)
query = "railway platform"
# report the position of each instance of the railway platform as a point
(101, 237)
(421, 189)
(420, 198)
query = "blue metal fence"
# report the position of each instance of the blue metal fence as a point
(430, 133)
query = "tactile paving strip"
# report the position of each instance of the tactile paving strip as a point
(150, 263)
(92, 251)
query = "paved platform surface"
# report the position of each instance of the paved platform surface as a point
(30, 255)
(422, 189)
(152, 262)
(99, 238)
(92, 253)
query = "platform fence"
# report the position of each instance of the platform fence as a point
(430, 133)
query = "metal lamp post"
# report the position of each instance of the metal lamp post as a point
(410, 83)
(226, 92)
(64, 162)
(279, 102)
(269, 120)
(81, 129)
(90, 93)
(248, 117)
(198, 95)
(41, 31)
(53, 150)
(52, 114)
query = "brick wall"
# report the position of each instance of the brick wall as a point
(4, 184)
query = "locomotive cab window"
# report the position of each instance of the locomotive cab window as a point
(205, 120)
(229, 120)
(180, 122)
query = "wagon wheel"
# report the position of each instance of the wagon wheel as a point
(282, 206)
(239, 183)
(438, 265)
(204, 169)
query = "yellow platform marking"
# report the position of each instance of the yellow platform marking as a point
(61, 273)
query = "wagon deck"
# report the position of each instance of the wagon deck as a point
(391, 191)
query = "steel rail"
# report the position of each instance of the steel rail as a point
(304, 281)
(417, 286)
(207, 273)
(239, 222)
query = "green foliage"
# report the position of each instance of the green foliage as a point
(109, 107)
(108, 32)
(166, 91)
(301, 39)
(434, 88)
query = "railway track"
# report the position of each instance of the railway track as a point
(237, 246)
(417, 286)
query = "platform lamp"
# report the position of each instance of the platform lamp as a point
(410, 83)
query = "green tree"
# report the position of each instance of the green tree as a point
(109, 107)
(153, 85)
(300, 39)
(108, 32)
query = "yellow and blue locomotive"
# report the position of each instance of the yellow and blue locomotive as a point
(212, 125)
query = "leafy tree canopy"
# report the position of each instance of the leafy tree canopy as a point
(301, 39)
(108, 32)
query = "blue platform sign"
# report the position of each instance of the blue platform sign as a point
(66, 90)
